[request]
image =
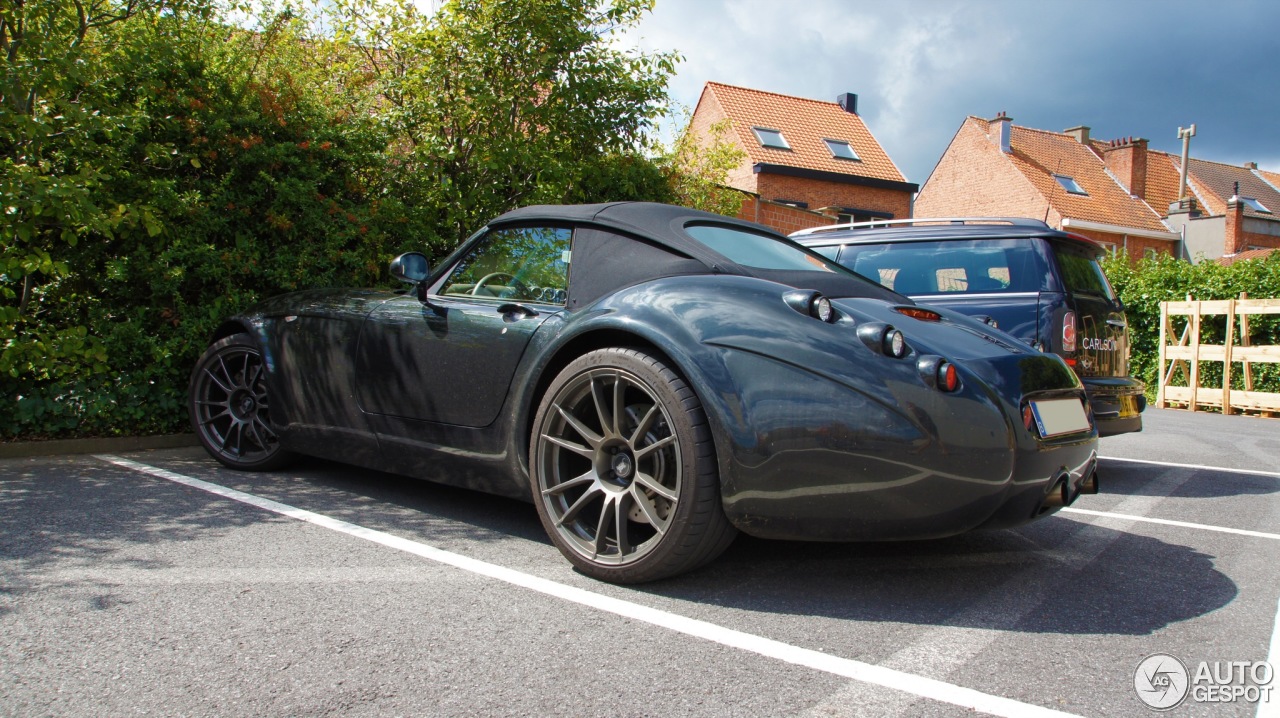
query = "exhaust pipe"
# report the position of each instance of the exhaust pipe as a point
(1090, 484)
(1057, 497)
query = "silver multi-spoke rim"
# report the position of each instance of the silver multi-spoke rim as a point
(609, 466)
(232, 410)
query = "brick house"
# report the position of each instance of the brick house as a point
(1119, 193)
(1230, 210)
(807, 162)
(995, 168)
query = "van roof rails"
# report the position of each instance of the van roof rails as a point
(1011, 221)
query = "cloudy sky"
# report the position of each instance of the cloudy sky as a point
(1139, 68)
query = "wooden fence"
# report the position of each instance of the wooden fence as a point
(1187, 354)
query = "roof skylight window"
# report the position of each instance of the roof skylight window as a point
(1070, 185)
(1255, 205)
(841, 150)
(771, 138)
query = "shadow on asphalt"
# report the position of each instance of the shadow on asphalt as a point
(1053, 576)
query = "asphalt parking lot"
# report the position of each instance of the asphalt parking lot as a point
(159, 583)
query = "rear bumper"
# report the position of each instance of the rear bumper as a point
(1117, 404)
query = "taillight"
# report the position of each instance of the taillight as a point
(812, 304)
(885, 339)
(924, 315)
(1069, 332)
(948, 377)
(938, 373)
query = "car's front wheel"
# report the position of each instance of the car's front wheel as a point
(623, 470)
(230, 408)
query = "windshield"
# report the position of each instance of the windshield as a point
(759, 251)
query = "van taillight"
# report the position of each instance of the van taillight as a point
(1068, 332)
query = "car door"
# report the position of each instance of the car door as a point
(449, 358)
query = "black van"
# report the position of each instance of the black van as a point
(1037, 283)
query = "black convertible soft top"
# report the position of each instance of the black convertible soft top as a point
(623, 243)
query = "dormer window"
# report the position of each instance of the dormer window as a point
(1255, 205)
(1070, 185)
(771, 138)
(841, 150)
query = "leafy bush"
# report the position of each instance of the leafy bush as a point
(1147, 283)
(162, 167)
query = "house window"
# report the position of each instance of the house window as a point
(1070, 185)
(1150, 253)
(1255, 205)
(845, 215)
(793, 203)
(771, 138)
(841, 150)
(1111, 248)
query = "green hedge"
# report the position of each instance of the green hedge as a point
(1145, 284)
(162, 168)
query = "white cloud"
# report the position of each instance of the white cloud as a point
(1123, 67)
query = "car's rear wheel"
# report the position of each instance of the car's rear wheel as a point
(623, 469)
(230, 408)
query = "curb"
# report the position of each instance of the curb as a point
(25, 449)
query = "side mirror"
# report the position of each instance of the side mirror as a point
(411, 267)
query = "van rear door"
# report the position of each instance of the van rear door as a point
(1101, 330)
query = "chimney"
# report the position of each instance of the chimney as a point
(1127, 160)
(1080, 132)
(848, 102)
(1234, 241)
(1003, 124)
(1251, 165)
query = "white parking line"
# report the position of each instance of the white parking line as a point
(857, 670)
(1168, 522)
(1201, 467)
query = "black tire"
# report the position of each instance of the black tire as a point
(230, 408)
(623, 470)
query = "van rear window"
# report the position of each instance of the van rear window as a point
(1081, 273)
(973, 266)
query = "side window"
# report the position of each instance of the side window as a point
(1081, 274)
(828, 252)
(528, 264)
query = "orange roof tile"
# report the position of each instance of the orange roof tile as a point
(805, 124)
(1163, 177)
(1231, 259)
(1216, 183)
(1272, 178)
(1040, 155)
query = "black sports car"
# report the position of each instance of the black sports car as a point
(656, 379)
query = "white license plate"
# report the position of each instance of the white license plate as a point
(1059, 416)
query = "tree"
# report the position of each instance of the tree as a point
(500, 104)
(698, 169)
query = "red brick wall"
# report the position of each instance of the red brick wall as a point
(781, 217)
(707, 114)
(819, 194)
(1137, 246)
(975, 179)
(1238, 239)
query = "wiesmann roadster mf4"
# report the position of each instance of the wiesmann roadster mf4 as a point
(655, 379)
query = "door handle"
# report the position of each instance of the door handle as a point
(512, 312)
(1116, 323)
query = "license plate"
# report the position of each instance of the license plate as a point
(1055, 417)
